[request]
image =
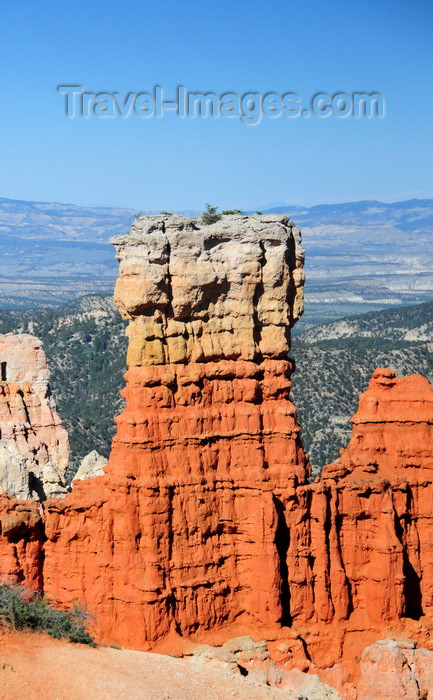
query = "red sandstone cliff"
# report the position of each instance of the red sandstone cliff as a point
(204, 519)
(360, 555)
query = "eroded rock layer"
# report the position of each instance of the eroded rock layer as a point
(373, 555)
(204, 518)
(360, 553)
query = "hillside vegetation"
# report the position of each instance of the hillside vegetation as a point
(21, 609)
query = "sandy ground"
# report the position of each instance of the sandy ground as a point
(36, 667)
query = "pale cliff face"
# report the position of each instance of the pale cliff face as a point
(198, 293)
(24, 358)
(29, 423)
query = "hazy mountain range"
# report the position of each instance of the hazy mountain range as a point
(364, 255)
(360, 255)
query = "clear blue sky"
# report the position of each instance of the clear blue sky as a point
(304, 46)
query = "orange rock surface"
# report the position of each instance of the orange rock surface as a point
(21, 543)
(204, 524)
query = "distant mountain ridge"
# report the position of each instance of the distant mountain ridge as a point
(401, 324)
(366, 255)
(360, 255)
(362, 207)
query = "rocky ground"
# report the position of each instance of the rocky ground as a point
(33, 665)
(36, 666)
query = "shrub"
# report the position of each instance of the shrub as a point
(210, 216)
(20, 609)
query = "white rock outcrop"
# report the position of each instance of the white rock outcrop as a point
(14, 476)
(29, 421)
(91, 465)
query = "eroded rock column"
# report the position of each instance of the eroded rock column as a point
(186, 529)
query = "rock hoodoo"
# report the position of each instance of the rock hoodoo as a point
(208, 445)
(203, 522)
(34, 446)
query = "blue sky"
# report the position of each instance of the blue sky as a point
(306, 46)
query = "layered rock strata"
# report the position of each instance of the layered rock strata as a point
(21, 543)
(381, 488)
(204, 519)
(30, 427)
